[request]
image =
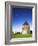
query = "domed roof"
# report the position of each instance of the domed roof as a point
(25, 23)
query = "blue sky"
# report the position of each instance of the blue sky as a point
(19, 16)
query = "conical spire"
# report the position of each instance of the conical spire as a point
(25, 23)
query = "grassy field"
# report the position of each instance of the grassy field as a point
(22, 35)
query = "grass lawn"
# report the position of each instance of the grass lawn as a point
(22, 35)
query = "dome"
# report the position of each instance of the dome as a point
(25, 23)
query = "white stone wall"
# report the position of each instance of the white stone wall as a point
(26, 29)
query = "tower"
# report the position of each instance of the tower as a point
(25, 28)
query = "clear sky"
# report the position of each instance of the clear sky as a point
(19, 16)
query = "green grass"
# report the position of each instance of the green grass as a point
(22, 35)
